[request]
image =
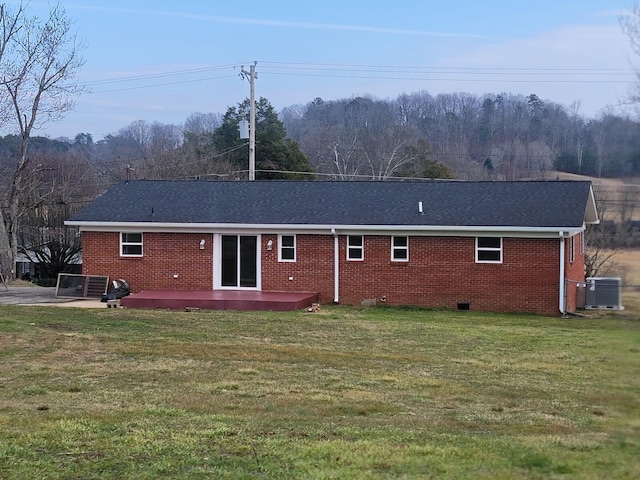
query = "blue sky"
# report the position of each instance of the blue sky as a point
(160, 60)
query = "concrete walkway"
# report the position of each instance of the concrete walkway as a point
(34, 295)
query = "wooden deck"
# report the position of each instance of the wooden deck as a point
(245, 300)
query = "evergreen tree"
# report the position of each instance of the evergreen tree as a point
(276, 155)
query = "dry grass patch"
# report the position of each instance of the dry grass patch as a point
(627, 266)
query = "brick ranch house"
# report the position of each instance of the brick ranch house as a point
(491, 246)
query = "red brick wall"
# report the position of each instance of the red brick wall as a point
(165, 255)
(574, 271)
(441, 271)
(311, 272)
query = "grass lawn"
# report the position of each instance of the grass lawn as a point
(343, 393)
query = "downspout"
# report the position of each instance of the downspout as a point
(562, 285)
(336, 267)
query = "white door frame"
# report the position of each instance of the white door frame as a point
(217, 261)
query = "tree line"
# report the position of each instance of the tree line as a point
(493, 136)
(418, 135)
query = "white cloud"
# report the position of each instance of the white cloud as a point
(277, 23)
(590, 64)
(571, 47)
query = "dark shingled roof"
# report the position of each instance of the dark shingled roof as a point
(445, 203)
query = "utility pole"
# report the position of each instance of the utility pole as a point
(251, 75)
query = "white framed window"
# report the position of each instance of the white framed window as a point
(582, 243)
(400, 249)
(130, 244)
(286, 248)
(355, 247)
(572, 249)
(488, 250)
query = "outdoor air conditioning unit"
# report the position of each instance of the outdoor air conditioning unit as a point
(603, 293)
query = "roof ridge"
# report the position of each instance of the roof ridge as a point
(351, 182)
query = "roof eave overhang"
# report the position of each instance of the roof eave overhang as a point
(591, 210)
(419, 230)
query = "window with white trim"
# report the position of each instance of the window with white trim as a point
(130, 244)
(400, 249)
(488, 250)
(572, 249)
(355, 247)
(582, 242)
(287, 248)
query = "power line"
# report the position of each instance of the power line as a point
(147, 76)
(162, 84)
(384, 72)
(444, 79)
(427, 72)
(382, 67)
(160, 75)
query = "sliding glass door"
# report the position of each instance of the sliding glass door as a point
(239, 261)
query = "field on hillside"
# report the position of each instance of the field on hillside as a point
(625, 264)
(343, 393)
(615, 197)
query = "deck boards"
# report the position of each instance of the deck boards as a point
(246, 300)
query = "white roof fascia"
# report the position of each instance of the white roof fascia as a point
(591, 212)
(418, 230)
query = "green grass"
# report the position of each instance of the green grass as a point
(344, 393)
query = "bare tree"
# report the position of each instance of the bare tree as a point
(202, 123)
(600, 240)
(598, 258)
(358, 138)
(630, 23)
(38, 63)
(342, 155)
